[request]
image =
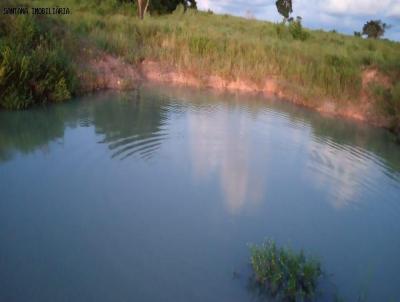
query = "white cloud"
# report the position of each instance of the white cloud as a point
(224, 157)
(356, 7)
(343, 15)
(236, 7)
(203, 4)
(394, 11)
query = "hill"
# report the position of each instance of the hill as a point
(104, 45)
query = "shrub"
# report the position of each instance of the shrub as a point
(388, 102)
(61, 92)
(285, 274)
(297, 31)
(34, 68)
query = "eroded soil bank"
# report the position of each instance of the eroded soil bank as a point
(109, 72)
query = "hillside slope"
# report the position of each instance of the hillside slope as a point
(340, 74)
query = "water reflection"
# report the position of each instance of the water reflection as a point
(133, 126)
(280, 169)
(336, 169)
(343, 155)
(378, 144)
(220, 142)
(27, 131)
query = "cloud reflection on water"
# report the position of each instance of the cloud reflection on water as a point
(220, 142)
(340, 172)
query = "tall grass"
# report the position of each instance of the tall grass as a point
(34, 67)
(322, 63)
(287, 275)
(389, 103)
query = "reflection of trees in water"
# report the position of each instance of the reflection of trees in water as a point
(27, 131)
(132, 124)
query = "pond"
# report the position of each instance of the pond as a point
(155, 194)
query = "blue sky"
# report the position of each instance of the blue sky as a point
(345, 16)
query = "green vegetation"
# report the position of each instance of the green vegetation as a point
(168, 6)
(284, 7)
(232, 47)
(325, 64)
(34, 67)
(389, 102)
(285, 274)
(156, 7)
(374, 29)
(297, 31)
(313, 65)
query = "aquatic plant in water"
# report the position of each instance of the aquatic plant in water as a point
(283, 273)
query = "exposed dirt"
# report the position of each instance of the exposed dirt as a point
(109, 72)
(371, 75)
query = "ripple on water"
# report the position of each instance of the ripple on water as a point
(244, 170)
(349, 172)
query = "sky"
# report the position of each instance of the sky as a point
(345, 16)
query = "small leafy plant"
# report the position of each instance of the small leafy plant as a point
(296, 29)
(283, 273)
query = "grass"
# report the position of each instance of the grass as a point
(389, 102)
(285, 274)
(34, 66)
(233, 47)
(315, 64)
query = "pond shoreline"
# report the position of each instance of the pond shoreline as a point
(110, 72)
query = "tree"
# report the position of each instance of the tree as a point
(168, 6)
(284, 7)
(161, 6)
(142, 6)
(191, 4)
(374, 29)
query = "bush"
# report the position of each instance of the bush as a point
(297, 31)
(388, 102)
(285, 274)
(34, 68)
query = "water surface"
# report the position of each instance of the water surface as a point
(153, 195)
